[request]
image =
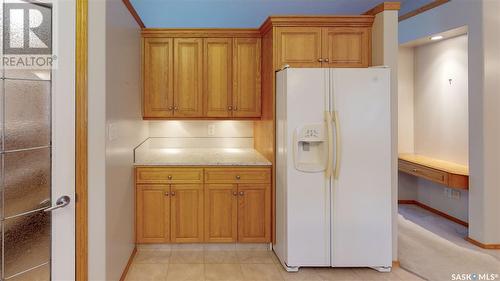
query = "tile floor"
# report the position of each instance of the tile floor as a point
(217, 262)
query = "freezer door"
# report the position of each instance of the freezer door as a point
(302, 197)
(361, 189)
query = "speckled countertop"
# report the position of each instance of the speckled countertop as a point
(200, 157)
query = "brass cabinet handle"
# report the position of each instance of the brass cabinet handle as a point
(327, 60)
(229, 108)
(238, 177)
(176, 108)
(169, 177)
(170, 107)
(415, 170)
(166, 193)
(242, 193)
(235, 108)
(320, 60)
(172, 193)
(235, 193)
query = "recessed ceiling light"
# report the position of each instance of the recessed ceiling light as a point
(439, 37)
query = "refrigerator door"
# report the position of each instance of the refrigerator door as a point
(361, 189)
(302, 197)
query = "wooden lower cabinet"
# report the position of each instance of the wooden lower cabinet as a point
(254, 213)
(221, 213)
(186, 213)
(152, 214)
(236, 208)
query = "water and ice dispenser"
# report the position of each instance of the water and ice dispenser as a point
(310, 148)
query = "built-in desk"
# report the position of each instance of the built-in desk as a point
(439, 171)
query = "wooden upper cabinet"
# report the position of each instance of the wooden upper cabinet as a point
(254, 213)
(217, 82)
(187, 213)
(346, 46)
(188, 75)
(221, 205)
(158, 77)
(246, 77)
(152, 214)
(299, 46)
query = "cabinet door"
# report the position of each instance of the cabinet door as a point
(299, 46)
(187, 213)
(188, 75)
(157, 77)
(152, 214)
(254, 213)
(217, 82)
(346, 47)
(246, 77)
(221, 204)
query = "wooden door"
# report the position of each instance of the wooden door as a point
(152, 214)
(246, 77)
(217, 82)
(346, 46)
(187, 213)
(188, 75)
(254, 213)
(158, 77)
(221, 206)
(299, 46)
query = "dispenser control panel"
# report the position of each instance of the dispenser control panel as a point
(310, 144)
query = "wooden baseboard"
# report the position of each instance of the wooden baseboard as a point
(395, 264)
(129, 263)
(435, 211)
(484, 246)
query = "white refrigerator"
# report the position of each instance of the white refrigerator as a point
(333, 168)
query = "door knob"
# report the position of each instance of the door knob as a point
(62, 202)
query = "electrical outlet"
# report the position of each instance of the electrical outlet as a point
(455, 194)
(211, 129)
(447, 192)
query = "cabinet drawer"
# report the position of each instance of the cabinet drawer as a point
(424, 172)
(169, 175)
(237, 175)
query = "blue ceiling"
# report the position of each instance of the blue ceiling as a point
(245, 13)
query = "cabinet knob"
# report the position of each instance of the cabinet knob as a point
(176, 108)
(169, 177)
(238, 177)
(242, 193)
(229, 108)
(172, 193)
(170, 107)
(414, 170)
(166, 193)
(235, 108)
(320, 60)
(235, 193)
(327, 60)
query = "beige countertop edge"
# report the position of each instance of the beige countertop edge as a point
(205, 164)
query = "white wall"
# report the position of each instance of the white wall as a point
(484, 225)
(406, 142)
(441, 107)
(114, 98)
(126, 130)
(385, 52)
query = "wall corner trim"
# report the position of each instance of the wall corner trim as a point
(432, 5)
(134, 13)
(385, 6)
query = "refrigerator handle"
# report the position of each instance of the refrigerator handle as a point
(329, 126)
(337, 145)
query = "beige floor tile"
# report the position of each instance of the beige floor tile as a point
(220, 272)
(328, 273)
(252, 247)
(275, 258)
(255, 257)
(149, 256)
(221, 257)
(304, 274)
(147, 272)
(261, 272)
(188, 247)
(221, 247)
(405, 275)
(371, 274)
(186, 256)
(186, 272)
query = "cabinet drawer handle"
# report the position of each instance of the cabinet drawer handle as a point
(170, 107)
(235, 108)
(327, 60)
(176, 108)
(172, 193)
(242, 193)
(229, 108)
(169, 177)
(320, 60)
(235, 193)
(415, 170)
(166, 193)
(238, 177)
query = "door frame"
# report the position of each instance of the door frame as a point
(81, 131)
